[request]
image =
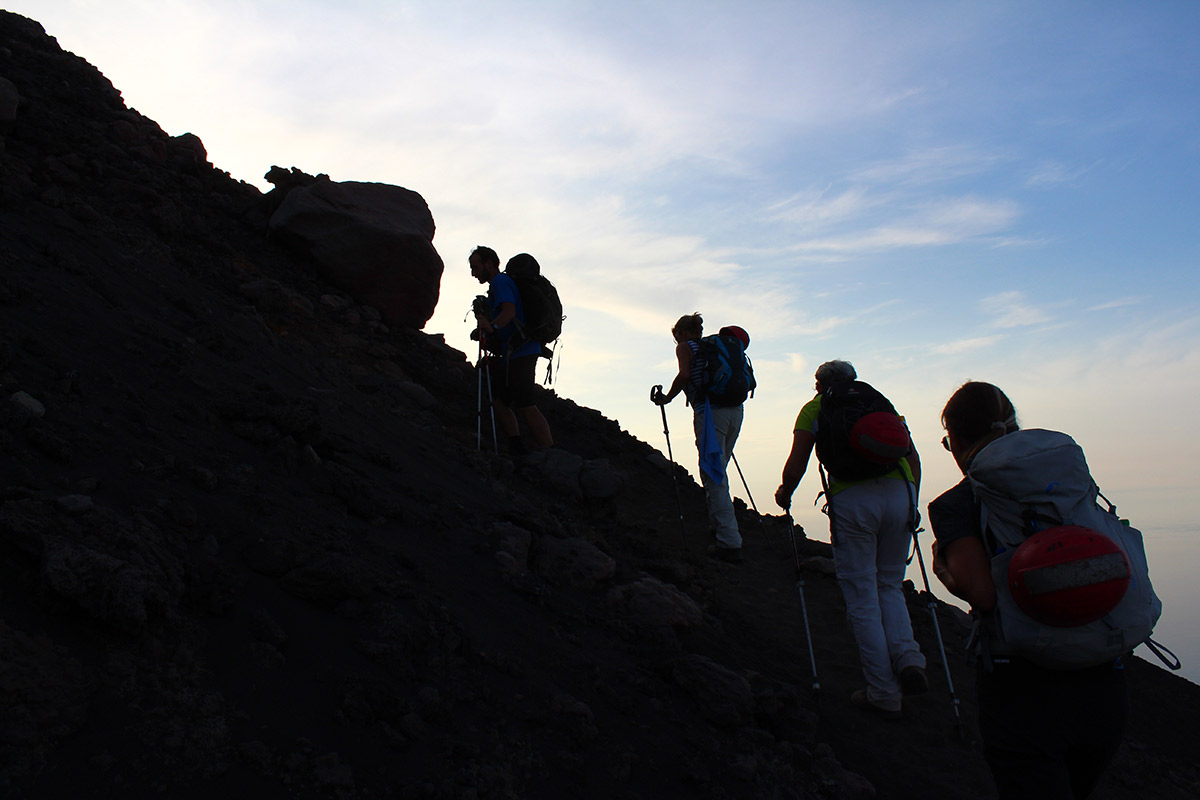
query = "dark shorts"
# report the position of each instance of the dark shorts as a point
(1050, 733)
(513, 380)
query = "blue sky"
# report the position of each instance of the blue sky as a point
(935, 191)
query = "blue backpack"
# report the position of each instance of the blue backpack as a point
(728, 374)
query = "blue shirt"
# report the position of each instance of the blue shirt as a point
(501, 289)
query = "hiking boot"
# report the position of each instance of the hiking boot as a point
(860, 700)
(913, 680)
(732, 555)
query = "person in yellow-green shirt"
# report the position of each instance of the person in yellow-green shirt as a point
(871, 523)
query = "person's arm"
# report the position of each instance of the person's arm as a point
(501, 292)
(964, 569)
(795, 467)
(507, 312)
(683, 355)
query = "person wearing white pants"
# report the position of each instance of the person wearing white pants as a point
(870, 545)
(722, 436)
(871, 521)
(727, 424)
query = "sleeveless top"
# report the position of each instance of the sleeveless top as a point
(692, 390)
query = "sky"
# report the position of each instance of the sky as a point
(934, 191)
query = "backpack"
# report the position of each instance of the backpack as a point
(1035, 484)
(859, 434)
(539, 298)
(728, 374)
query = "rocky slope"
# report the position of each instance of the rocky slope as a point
(249, 545)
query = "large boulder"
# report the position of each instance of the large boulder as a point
(372, 240)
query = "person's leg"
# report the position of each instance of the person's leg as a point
(1020, 723)
(501, 408)
(520, 395)
(537, 426)
(727, 423)
(506, 419)
(1100, 709)
(894, 539)
(855, 513)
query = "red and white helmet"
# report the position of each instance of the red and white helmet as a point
(1067, 576)
(738, 333)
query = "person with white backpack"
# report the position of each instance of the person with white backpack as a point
(1059, 589)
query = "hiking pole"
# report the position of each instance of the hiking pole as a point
(761, 524)
(487, 373)
(937, 631)
(654, 394)
(479, 401)
(812, 658)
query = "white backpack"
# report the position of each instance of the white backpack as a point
(1034, 479)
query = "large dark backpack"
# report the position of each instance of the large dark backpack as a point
(728, 374)
(859, 434)
(539, 298)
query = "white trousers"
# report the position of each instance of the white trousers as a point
(721, 519)
(871, 538)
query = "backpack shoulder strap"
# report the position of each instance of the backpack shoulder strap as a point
(1159, 650)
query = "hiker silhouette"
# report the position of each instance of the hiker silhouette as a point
(716, 425)
(513, 359)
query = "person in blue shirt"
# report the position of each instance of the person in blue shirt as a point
(513, 368)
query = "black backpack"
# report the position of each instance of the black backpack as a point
(859, 434)
(728, 374)
(543, 310)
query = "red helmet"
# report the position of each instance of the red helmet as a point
(1068, 576)
(738, 333)
(881, 438)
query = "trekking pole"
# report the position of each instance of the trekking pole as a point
(937, 631)
(761, 524)
(479, 401)
(654, 393)
(812, 658)
(487, 375)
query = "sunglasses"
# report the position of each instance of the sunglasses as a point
(946, 442)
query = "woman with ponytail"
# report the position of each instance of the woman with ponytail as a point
(1047, 733)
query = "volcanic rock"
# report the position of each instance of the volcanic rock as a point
(372, 240)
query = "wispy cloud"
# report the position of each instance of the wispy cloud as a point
(938, 223)
(1119, 302)
(814, 211)
(1011, 310)
(1053, 173)
(931, 165)
(965, 345)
